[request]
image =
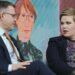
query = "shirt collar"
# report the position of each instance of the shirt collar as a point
(2, 31)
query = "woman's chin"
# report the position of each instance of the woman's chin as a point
(66, 35)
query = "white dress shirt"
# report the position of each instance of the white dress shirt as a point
(10, 49)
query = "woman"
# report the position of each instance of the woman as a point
(25, 21)
(61, 50)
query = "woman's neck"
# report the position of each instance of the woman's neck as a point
(72, 39)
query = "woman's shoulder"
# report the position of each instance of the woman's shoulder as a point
(58, 39)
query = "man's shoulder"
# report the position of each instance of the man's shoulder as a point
(13, 38)
(1, 41)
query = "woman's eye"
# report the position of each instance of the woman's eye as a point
(23, 15)
(68, 22)
(32, 16)
(61, 23)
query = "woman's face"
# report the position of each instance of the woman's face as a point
(25, 23)
(67, 26)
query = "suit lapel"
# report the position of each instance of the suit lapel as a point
(5, 50)
(64, 46)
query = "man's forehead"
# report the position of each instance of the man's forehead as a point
(10, 9)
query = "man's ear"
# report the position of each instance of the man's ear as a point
(1, 15)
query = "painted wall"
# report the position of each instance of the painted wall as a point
(46, 25)
(67, 4)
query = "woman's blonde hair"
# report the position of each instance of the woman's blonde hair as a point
(68, 12)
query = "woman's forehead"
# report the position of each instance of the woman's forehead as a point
(25, 10)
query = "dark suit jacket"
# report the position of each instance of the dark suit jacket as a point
(5, 58)
(56, 56)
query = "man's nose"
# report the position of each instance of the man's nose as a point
(15, 19)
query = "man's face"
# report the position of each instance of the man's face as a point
(25, 23)
(8, 18)
(67, 26)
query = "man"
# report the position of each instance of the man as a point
(11, 61)
(25, 22)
